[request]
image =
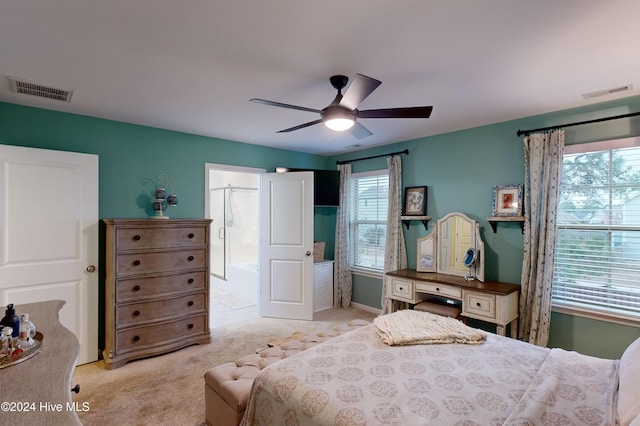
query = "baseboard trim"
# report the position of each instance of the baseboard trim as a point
(365, 308)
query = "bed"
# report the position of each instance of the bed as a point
(358, 379)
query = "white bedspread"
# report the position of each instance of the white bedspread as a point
(409, 327)
(356, 379)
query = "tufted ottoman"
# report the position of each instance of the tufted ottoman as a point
(227, 386)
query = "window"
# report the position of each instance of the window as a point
(597, 260)
(370, 192)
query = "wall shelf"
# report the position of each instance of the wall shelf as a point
(407, 220)
(494, 220)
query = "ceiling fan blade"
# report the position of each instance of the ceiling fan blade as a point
(281, 105)
(361, 86)
(410, 112)
(359, 131)
(301, 126)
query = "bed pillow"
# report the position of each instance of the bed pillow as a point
(629, 387)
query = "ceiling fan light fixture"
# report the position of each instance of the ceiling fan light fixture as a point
(340, 124)
(338, 119)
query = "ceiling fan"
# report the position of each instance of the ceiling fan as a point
(342, 114)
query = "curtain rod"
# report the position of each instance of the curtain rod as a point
(597, 120)
(406, 151)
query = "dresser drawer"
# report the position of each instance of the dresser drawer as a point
(161, 237)
(143, 263)
(146, 337)
(401, 289)
(479, 305)
(139, 289)
(138, 313)
(440, 289)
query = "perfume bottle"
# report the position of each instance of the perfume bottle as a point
(29, 324)
(25, 341)
(5, 341)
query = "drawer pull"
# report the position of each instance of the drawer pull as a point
(76, 388)
(136, 237)
(190, 303)
(136, 263)
(136, 338)
(478, 304)
(191, 235)
(401, 288)
(190, 281)
(190, 326)
(136, 288)
(438, 289)
(136, 313)
(190, 258)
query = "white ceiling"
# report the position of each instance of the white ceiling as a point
(193, 65)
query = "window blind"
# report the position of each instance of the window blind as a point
(369, 219)
(597, 259)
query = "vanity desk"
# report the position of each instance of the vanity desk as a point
(450, 265)
(488, 301)
(37, 391)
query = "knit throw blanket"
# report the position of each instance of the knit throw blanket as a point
(408, 327)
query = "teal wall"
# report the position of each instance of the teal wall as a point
(132, 156)
(460, 169)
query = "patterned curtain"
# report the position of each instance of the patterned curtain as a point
(543, 167)
(342, 271)
(395, 252)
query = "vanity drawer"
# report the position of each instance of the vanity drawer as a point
(138, 289)
(139, 313)
(440, 289)
(401, 289)
(146, 337)
(479, 305)
(142, 263)
(150, 238)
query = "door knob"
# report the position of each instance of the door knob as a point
(91, 268)
(308, 253)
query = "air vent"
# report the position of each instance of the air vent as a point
(35, 89)
(605, 92)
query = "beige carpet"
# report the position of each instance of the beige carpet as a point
(169, 389)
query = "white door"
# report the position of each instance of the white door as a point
(286, 245)
(49, 236)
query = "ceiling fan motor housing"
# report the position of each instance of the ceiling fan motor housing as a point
(337, 111)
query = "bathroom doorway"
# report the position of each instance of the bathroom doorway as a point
(233, 202)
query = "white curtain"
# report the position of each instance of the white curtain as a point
(543, 167)
(395, 254)
(343, 285)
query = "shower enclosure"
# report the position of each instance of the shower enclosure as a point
(234, 243)
(233, 203)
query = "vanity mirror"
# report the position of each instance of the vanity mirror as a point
(456, 247)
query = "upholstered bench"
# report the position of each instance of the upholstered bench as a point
(439, 308)
(227, 386)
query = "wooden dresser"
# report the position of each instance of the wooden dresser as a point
(156, 287)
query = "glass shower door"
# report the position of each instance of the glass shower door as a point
(218, 262)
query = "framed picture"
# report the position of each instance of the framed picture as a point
(507, 200)
(415, 201)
